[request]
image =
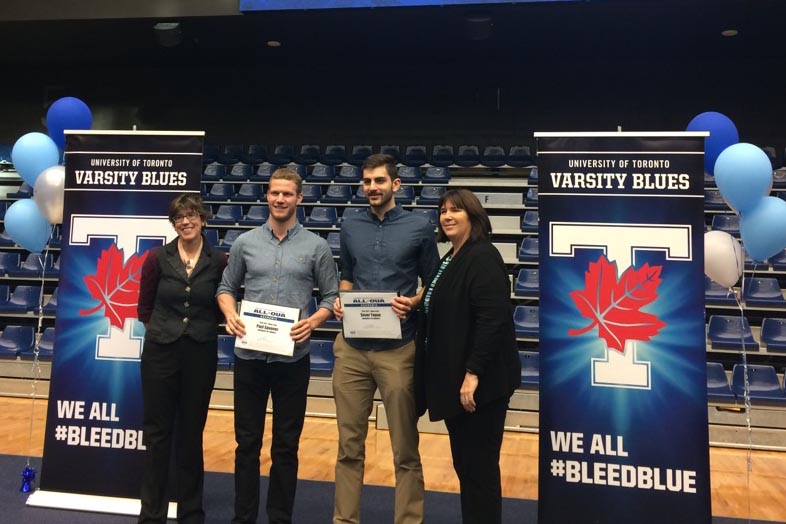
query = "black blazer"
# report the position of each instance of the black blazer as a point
(469, 327)
(171, 303)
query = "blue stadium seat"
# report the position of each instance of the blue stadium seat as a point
(467, 156)
(321, 217)
(3, 209)
(211, 235)
(779, 261)
(55, 237)
(22, 299)
(209, 153)
(360, 196)
(350, 212)
(526, 321)
(519, 156)
(430, 214)
(5, 294)
(714, 200)
(33, 265)
(55, 270)
(415, 156)
(16, 339)
(24, 191)
(772, 155)
(493, 156)
(321, 174)
(229, 238)
(50, 308)
(529, 222)
(239, 172)
(256, 216)
(249, 193)
(529, 249)
(728, 223)
(8, 262)
(309, 154)
(530, 368)
(282, 154)
(226, 352)
(749, 263)
(436, 175)
(221, 192)
(532, 197)
(255, 154)
(349, 175)
(718, 389)
(334, 242)
(391, 150)
(773, 334)
(763, 383)
(311, 193)
(262, 173)
(227, 214)
(442, 155)
(46, 346)
(213, 172)
(409, 174)
(778, 179)
(527, 283)
(763, 292)
(230, 154)
(717, 295)
(533, 175)
(337, 194)
(359, 155)
(726, 332)
(334, 155)
(321, 356)
(405, 195)
(5, 239)
(430, 195)
(300, 169)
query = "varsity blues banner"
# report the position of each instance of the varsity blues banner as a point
(118, 187)
(623, 404)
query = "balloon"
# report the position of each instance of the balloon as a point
(67, 113)
(763, 228)
(743, 174)
(48, 193)
(723, 260)
(27, 226)
(723, 133)
(33, 153)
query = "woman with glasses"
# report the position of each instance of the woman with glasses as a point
(178, 308)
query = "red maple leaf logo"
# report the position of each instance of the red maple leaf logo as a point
(615, 306)
(115, 285)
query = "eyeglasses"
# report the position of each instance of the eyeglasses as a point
(191, 216)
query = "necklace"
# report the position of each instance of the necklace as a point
(189, 260)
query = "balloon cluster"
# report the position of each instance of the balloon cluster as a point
(36, 158)
(743, 174)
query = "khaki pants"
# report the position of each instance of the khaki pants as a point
(356, 375)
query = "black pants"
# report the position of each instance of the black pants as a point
(177, 380)
(287, 384)
(475, 441)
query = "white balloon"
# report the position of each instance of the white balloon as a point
(48, 193)
(723, 260)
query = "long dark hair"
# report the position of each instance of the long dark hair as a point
(478, 218)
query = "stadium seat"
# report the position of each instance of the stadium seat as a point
(211, 235)
(334, 242)
(5, 239)
(529, 222)
(526, 321)
(300, 169)
(227, 214)
(415, 156)
(409, 174)
(24, 191)
(321, 217)
(300, 214)
(493, 156)
(763, 384)
(334, 155)
(282, 155)
(239, 172)
(350, 212)
(430, 195)
(530, 368)
(728, 223)
(22, 299)
(262, 173)
(714, 200)
(429, 214)
(349, 175)
(321, 174)
(779, 261)
(226, 352)
(230, 154)
(519, 156)
(772, 155)
(209, 153)
(726, 332)
(527, 283)
(309, 155)
(5, 294)
(441, 156)
(529, 249)
(249, 193)
(8, 262)
(359, 155)
(16, 339)
(213, 172)
(717, 295)
(50, 308)
(46, 346)
(533, 175)
(764, 292)
(229, 238)
(436, 175)
(773, 334)
(321, 356)
(391, 150)
(337, 194)
(532, 197)
(311, 193)
(405, 195)
(467, 156)
(360, 196)
(220, 192)
(33, 265)
(3, 209)
(255, 154)
(256, 216)
(718, 389)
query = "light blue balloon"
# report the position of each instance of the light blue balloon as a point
(763, 228)
(33, 153)
(743, 174)
(27, 226)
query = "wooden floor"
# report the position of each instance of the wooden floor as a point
(762, 495)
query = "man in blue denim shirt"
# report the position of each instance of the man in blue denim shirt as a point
(279, 263)
(386, 249)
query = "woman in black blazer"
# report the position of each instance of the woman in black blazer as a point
(178, 307)
(471, 362)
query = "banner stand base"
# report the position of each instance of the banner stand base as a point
(95, 503)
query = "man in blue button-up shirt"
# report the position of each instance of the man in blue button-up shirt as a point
(386, 249)
(278, 263)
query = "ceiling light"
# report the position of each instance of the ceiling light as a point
(730, 32)
(273, 43)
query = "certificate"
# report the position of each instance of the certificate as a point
(368, 314)
(267, 328)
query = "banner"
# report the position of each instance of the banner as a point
(117, 192)
(623, 403)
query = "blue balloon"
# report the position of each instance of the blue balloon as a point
(67, 113)
(33, 153)
(723, 133)
(743, 174)
(27, 226)
(763, 228)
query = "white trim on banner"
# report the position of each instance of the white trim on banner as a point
(95, 503)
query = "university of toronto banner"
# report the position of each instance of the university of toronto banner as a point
(117, 192)
(623, 403)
